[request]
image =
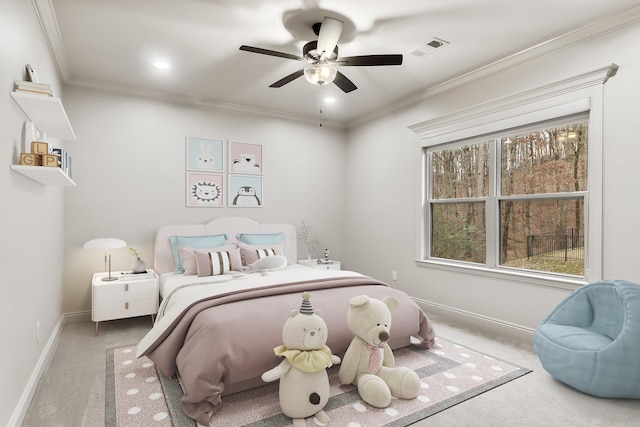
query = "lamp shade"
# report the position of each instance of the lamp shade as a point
(105, 243)
(320, 73)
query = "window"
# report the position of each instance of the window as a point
(523, 189)
(513, 187)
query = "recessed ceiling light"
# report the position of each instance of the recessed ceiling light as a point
(162, 65)
(329, 99)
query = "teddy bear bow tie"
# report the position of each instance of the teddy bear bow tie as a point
(376, 354)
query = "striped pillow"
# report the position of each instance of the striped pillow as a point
(220, 263)
(189, 257)
(214, 263)
(252, 253)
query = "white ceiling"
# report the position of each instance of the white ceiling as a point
(112, 45)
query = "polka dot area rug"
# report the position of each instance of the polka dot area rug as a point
(139, 399)
(137, 395)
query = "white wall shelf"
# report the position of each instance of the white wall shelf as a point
(45, 175)
(47, 113)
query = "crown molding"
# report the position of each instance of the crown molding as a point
(514, 105)
(49, 24)
(224, 107)
(46, 16)
(589, 32)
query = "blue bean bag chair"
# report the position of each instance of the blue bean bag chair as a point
(591, 340)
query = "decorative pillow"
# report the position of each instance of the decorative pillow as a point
(269, 263)
(213, 263)
(261, 239)
(211, 241)
(252, 253)
(189, 257)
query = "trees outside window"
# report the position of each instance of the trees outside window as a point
(514, 199)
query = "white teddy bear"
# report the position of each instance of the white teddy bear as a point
(368, 362)
(304, 382)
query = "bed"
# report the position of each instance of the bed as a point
(217, 331)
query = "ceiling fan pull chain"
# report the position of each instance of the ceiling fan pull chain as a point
(321, 101)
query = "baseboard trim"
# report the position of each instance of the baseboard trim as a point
(477, 320)
(21, 408)
(77, 316)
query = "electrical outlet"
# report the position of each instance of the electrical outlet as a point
(38, 331)
(394, 275)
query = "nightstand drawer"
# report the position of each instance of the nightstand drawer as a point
(118, 291)
(331, 265)
(334, 266)
(124, 309)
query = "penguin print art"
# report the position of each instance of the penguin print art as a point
(246, 197)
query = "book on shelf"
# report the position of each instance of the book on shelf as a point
(64, 159)
(31, 87)
(35, 92)
(30, 73)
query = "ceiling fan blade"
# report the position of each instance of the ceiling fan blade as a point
(330, 31)
(370, 60)
(344, 83)
(291, 77)
(271, 52)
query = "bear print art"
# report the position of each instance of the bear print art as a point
(246, 163)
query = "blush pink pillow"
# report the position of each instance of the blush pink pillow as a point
(217, 261)
(188, 257)
(252, 253)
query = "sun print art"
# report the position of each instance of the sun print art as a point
(205, 190)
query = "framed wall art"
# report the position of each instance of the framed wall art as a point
(245, 191)
(205, 189)
(204, 154)
(245, 158)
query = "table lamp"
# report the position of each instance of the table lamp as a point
(106, 243)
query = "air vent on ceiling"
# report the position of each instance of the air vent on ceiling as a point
(429, 48)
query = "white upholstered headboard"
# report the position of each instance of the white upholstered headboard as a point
(231, 226)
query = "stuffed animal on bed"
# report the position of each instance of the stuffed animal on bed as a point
(368, 362)
(304, 383)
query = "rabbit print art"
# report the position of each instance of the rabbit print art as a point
(205, 159)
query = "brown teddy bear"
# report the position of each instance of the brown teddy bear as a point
(304, 383)
(368, 362)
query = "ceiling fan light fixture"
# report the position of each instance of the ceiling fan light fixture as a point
(321, 73)
(161, 65)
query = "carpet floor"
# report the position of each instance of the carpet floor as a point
(136, 394)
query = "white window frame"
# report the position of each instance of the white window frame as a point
(578, 94)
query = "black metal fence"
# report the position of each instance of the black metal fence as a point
(568, 245)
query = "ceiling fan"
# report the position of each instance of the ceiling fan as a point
(322, 57)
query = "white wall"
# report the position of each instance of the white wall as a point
(32, 221)
(382, 210)
(357, 190)
(129, 166)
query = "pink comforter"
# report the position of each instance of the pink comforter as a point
(222, 345)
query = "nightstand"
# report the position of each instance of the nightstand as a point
(323, 265)
(130, 295)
